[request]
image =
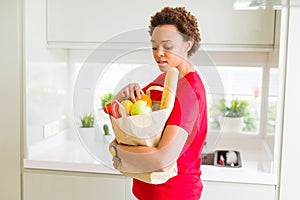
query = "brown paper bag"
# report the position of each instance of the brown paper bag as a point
(143, 129)
(147, 129)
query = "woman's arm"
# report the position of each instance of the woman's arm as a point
(131, 91)
(155, 158)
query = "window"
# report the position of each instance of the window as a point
(221, 82)
(272, 101)
(241, 83)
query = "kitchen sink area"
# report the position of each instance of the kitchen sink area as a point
(222, 158)
(208, 159)
(67, 152)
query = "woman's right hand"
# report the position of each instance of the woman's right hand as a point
(131, 91)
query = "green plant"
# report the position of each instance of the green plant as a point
(106, 129)
(213, 120)
(87, 121)
(105, 98)
(250, 123)
(236, 108)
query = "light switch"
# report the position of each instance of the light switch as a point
(51, 128)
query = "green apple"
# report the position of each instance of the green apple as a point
(140, 107)
(127, 104)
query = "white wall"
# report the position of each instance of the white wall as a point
(289, 179)
(47, 74)
(10, 100)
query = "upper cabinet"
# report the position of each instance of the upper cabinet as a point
(92, 21)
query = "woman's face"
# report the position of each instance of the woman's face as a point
(169, 47)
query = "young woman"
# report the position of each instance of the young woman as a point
(174, 37)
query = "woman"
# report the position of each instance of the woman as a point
(174, 37)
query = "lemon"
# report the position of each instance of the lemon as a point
(127, 105)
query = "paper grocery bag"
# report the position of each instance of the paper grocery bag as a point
(143, 129)
(146, 129)
(154, 177)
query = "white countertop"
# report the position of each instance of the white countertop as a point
(65, 152)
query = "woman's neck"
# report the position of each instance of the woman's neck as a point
(185, 68)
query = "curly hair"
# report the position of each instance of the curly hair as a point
(185, 22)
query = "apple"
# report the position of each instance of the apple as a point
(127, 104)
(140, 107)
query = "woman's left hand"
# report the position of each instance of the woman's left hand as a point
(116, 160)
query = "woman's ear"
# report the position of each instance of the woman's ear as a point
(188, 45)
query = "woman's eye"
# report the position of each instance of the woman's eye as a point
(168, 47)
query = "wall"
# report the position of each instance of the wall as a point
(10, 101)
(289, 178)
(47, 74)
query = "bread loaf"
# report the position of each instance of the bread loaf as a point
(169, 91)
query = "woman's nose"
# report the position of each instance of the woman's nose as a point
(160, 52)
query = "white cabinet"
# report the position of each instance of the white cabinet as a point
(11, 105)
(52, 185)
(91, 21)
(128, 190)
(236, 191)
(66, 186)
(48, 185)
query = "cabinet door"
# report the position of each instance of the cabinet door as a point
(51, 186)
(237, 191)
(11, 62)
(128, 190)
(97, 21)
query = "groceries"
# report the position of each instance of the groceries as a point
(141, 106)
(139, 123)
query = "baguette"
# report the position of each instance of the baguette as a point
(169, 91)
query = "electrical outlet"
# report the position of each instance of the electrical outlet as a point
(51, 128)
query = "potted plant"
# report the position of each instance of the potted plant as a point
(233, 114)
(105, 98)
(101, 116)
(107, 137)
(87, 121)
(87, 131)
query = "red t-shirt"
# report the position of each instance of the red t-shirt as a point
(189, 113)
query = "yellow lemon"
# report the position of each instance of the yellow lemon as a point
(127, 104)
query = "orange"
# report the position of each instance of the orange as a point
(146, 98)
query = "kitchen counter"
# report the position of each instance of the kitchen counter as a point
(65, 152)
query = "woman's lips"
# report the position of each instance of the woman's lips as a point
(160, 62)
